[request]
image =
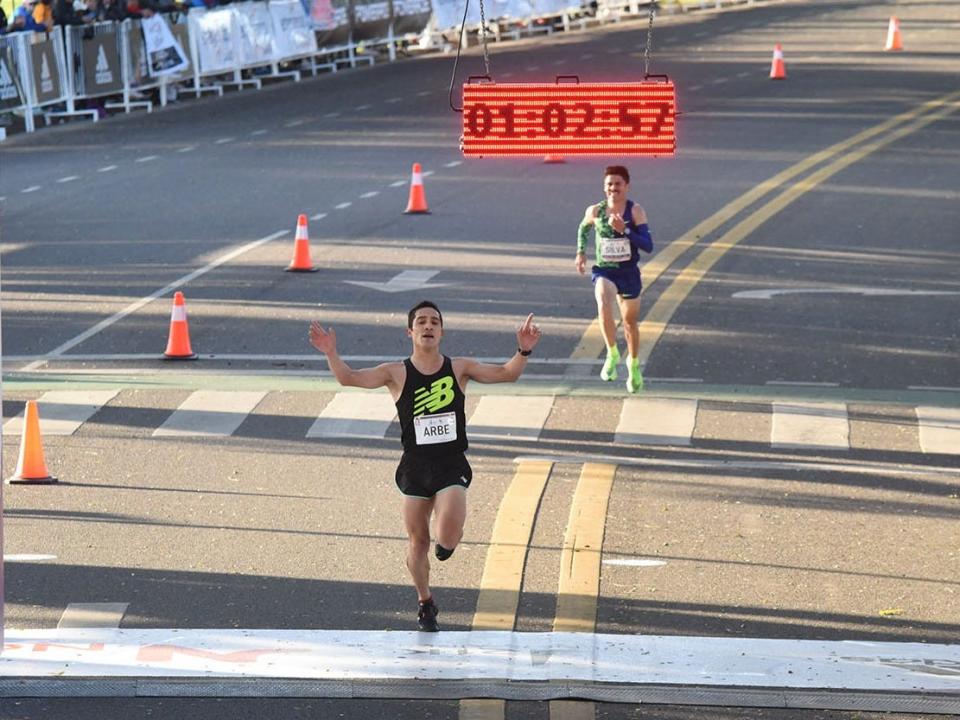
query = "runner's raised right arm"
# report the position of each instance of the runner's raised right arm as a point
(383, 375)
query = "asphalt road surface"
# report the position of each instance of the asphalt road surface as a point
(790, 472)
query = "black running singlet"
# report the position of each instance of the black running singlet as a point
(430, 408)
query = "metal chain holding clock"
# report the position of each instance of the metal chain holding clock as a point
(646, 50)
(483, 41)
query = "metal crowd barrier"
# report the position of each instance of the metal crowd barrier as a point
(39, 65)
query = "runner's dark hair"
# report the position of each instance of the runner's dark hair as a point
(419, 306)
(618, 170)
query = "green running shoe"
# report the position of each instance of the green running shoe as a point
(609, 370)
(634, 379)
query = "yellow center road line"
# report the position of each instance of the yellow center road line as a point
(582, 544)
(591, 342)
(579, 586)
(655, 322)
(503, 571)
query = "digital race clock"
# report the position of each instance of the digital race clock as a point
(523, 119)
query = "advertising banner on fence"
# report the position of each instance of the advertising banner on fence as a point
(101, 65)
(257, 46)
(46, 78)
(11, 94)
(216, 40)
(165, 56)
(292, 30)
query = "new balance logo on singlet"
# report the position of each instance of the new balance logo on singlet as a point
(437, 397)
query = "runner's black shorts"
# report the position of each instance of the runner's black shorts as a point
(424, 477)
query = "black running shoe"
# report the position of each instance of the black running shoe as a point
(427, 617)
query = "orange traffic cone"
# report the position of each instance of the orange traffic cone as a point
(301, 249)
(417, 204)
(553, 159)
(178, 344)
(777, 70)
(894, 42)
(31, 467)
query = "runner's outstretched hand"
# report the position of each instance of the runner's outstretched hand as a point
(322, 340)
(528, 335)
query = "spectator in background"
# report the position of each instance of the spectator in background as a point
(112, 10)
(43, 14)
(64, 14)
(23, 19)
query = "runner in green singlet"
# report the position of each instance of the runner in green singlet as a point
(620, 232)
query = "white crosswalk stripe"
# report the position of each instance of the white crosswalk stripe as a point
(510, 416)
(62, 412)
(939, 429)
(823, 426)
(656, 421)
(210, 413)
(356, 415)
(643, 420)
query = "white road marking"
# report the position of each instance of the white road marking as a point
(810, 425)
(372, 193)
(561, 61)
(68, 178)
(332, 115)
(744, 74)
(28, 557)
(510, 416)
(673, 380)
(454, 163)
(356, 415)
(839, 290)
(146, 158)
(32, 188)
(133, 307)
(802, 383)
(342, 206)
(394, 100)
(293, 123)
(720, 81)
(221, 141)
(107, 168)
(424, 93)
(62, 412)
(112, 660)
(404, 281)
(426, 173)
(934, 388)
(656, 421)
(259, 132)
(939, 429)
(92, 615)
(318, 216)
(695, 87)
(635, 562)
(586, 56)
(188, 148)
(210, 413)
(361, 108)
(398, 183)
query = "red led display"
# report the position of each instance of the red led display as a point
(523, 119)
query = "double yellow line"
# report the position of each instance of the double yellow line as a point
(579, 585)
(838, 157)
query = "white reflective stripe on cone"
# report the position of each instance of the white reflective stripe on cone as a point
(179, 314)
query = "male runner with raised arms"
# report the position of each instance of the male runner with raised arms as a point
(620, 232)
(433, 474)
